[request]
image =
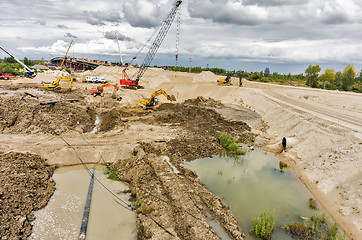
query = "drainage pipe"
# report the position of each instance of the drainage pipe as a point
(288, 142)
(84, 226)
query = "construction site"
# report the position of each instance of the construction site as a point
(157, 133)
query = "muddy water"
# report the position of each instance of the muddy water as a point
(252, 183)
(61, 218)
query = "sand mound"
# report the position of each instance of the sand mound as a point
(205, 76)
(206, 102)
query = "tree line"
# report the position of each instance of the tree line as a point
(10, 66)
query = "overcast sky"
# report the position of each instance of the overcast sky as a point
(284, 35)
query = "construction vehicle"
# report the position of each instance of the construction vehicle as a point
(99, 90)
(125, 81)
(65, 56)
(29, 72)
(225, 81)
(55, 84)
(5, 76)
(153, 101)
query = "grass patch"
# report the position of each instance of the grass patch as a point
(227, 141)
(314, 228)
(282, 165)
(312, 204)
(263, 226)
(111, 174)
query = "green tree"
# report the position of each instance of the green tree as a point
(27, 62)
(42, 61)
(327, 78)
(267, 72)
(312, 75)
(348, 76)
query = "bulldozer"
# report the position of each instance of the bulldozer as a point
(153, 101)
(99, 90)
(55, 84)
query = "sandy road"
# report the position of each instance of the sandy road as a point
(281, 95)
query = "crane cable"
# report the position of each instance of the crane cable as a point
(178, 33)
(144, 45)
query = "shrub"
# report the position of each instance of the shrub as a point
(111, 174)
(312, 204)
(263, 226)
(314, 227)
(227, 141)
(282, 165)
(299, 230)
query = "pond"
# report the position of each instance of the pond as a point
(252, 183)
(62, 217)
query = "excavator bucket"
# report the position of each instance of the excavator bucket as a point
(171, 98)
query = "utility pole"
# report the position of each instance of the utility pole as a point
(189, 65)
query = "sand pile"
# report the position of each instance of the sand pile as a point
(206, 102)
(205, 76)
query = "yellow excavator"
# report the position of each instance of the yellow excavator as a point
(224, 81)
(152, 101)
(55, 84)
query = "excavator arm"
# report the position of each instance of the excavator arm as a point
(150, 102)
(99, 89)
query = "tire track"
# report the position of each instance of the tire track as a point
(347, 120)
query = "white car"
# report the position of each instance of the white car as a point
(91, 79)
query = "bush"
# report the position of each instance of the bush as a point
(227, 141)
(314, 228)
(111, 174)
(263, 226)
(312, 204)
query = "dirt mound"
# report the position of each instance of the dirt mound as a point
(25, 186)
(110, 119)
(26, 115)
(203, 128)
(205, 76)
(206, 102)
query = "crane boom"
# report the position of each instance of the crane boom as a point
(61, 65)
(119, 49)
(166, 24)
(22, 64)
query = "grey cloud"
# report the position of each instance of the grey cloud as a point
(113, 36)
(42, 23)
(62, 26)
(141, 13)
(273, 2)
(99, 18)
(69, 35)
(225, 11)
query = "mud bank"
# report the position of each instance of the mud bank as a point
(25, 186)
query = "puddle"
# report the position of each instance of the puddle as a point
(61, 218)
(252, 183)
